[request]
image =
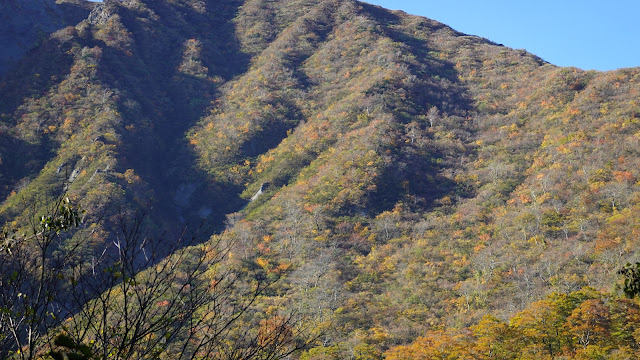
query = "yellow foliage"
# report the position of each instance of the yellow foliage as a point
(262, 263)
(131, 177)
(50, 129)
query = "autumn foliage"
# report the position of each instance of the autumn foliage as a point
(581, 325)
(424, 192)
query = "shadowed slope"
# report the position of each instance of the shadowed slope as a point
(417, 177)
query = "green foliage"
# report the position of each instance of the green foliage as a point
(416, 178)
(65, 218)
(631, 273)
(69, 349)
(34, 266)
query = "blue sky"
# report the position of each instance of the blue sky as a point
(589, 34)
(600, 35)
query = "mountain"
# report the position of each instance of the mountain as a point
(412, 178)
(26, 23)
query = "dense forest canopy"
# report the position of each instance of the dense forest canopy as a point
(423, 192)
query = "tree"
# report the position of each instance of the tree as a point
(541, 326)
(590, 323)
(631, 275)
(436, 344)
(495, 339)
(128, 301)
(32, 271)
(433, 114)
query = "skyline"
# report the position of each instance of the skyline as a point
(591, 35)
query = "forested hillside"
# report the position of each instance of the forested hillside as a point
(413, 179)
(26, 23)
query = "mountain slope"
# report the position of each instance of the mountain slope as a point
(25, 23)
(93, 118)
(412, 177)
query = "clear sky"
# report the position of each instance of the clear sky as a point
(589, 34)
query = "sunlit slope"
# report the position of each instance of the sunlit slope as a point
(412, 176)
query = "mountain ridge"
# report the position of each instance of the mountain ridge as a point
(417, 177)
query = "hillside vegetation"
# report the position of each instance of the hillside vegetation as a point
(422, 189)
